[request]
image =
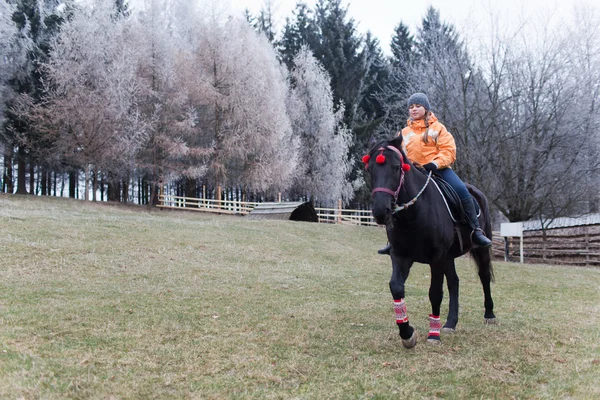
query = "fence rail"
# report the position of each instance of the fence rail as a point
(206, 205)
(343, 216)
(336, 215)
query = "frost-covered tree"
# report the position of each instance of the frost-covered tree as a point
(240, 92)
(89, 113)
(324, 138)
(164, 35)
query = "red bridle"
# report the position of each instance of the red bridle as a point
(402, 170)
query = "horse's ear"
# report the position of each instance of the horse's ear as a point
(397, 142)
(372, 142)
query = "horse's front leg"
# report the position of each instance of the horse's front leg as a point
(400, 270)
(436, 294)
(453, 286)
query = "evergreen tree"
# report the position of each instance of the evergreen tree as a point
(371, 107)
(402, 46)
(393, 96)
(265, 22)
(122, 7)
(443, 70)
(13, 56)
(40, 20)
(297, 32)
(341, 52)
(249, 17)
(435, 34)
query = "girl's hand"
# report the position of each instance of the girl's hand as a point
(430, 167)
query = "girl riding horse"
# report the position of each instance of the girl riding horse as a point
(429, 144)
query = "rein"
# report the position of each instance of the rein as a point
(414, 200)
(397, 192)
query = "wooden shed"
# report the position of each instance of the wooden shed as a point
(293, 211)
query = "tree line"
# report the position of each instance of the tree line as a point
(184, 94)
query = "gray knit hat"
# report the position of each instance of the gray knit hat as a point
(420, 99)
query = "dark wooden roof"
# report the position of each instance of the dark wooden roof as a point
(295, 211)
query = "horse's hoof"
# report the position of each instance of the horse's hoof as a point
(448, 329)
(435, 340)
(489, 321)
(410, 342)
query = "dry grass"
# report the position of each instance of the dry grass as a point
(103, 302)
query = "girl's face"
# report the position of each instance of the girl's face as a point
(416, 112)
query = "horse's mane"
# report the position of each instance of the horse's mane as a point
(378, 144)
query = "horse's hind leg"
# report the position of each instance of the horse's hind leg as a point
(436, 293)
(453, 286)
(486, 275)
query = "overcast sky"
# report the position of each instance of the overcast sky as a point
(381, 16)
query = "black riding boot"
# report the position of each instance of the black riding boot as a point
(477, 236)
(385, 250)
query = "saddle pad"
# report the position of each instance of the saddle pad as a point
(454, 204)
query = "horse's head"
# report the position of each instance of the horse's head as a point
(386, 165)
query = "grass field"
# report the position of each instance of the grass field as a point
(109, 302)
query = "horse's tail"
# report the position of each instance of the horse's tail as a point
(483, 256)
(483, 259)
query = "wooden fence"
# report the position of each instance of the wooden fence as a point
(578, 245)
(205, 205)
(336, 215)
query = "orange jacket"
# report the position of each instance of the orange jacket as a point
(439, 149)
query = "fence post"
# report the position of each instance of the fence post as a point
(339, 217)
(218, 196)
(279, 197)
(587, 246)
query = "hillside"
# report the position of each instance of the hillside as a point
(103, 301)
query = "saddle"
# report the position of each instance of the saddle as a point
(453, 203)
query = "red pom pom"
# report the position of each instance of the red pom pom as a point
(380, 159)
(366, 159)
(405, 167)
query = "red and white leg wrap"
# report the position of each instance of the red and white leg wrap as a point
(434, 325)
(400, 310)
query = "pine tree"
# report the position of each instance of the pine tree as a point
(393, 96)
(402, 46)
(265, 23)
(297, 32)
(341, 52)
(371, 108)
(40, 21)
(122, 8)
(13, 57)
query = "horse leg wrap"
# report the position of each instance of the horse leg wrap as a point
(400, 310)
(434, 328)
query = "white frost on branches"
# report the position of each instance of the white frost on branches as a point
(241, 90)
(325, 141)
(13, 53)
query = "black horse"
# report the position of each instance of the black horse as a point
(420, 229)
